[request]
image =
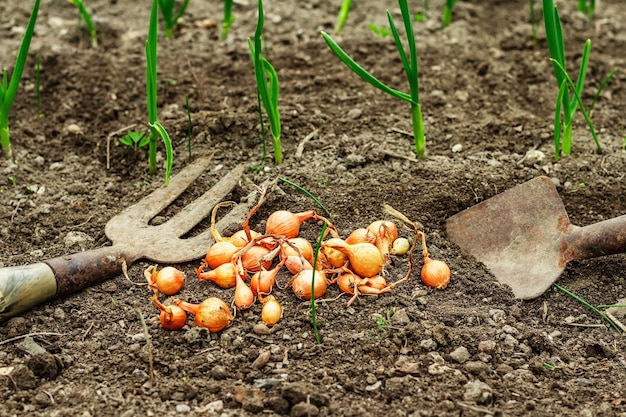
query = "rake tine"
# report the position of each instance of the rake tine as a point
(154, 203)
(194, 212)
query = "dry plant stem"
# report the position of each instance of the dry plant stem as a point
(148, 343)
(262, 191)
(417, 232)
(13, 339)
(214, 232)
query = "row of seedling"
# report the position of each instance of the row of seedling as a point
(567, 104)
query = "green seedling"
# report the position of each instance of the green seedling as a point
(342, 17)
(588, 7)
(38, 84)
(9, 89)
(311, 196)
(228, 19)
(135, 140)
(156, 129)
(589, 306)
(189, 126)
(315, 256)
(170, 19)
(267, 89)
(410, 69)
(420, 16)
(84, 13)
(380, 31)
(566, 105)
(446, 17)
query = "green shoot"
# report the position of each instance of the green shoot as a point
(135, 140)
(588, 7)
(169, 17)
(342, 17)
(38, 84)
(446, 18)
(156, 129)
(379, 31)
(9, 89)
(84, 13)
(189, 126)
(420, 16)
(410, 69)
(228, 19)
(267, 86)
(313, 312)
(589, 306)
(533, 21)
(602, 85)
(297, 187)
(565, 107)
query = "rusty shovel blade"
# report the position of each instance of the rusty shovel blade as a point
(524, 236)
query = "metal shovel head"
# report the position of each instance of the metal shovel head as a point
(517, 235)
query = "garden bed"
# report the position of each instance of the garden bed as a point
(488, 98)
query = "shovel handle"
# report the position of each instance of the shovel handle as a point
(23, 287)
(607, 237)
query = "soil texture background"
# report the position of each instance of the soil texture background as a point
(487, 95)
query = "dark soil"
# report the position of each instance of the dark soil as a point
(472, 349)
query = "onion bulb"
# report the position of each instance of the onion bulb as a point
(252, 259)
(365, 259)
(219, 253)
(263, 281)
(212, 313)
(347, 282)
(244, 297)
(286, 223)
(301, 284)
(400, 246)
(361, 235)
(171, 317)
(272, 311)
(296, 264)
(240, 239)
(303, 246)
(224, 276)
(168, 280)
(435, 273)
(334, 257)
(386, 232)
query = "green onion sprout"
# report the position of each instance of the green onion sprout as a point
(228, 19)
(566, 105)
(410, 69)
(588, 7)
(9, 89)
(446, 17)
(267, 87)
(169, 17)
(342, 17)
(156, 129)
(589, 306)
(313, 309)
(84, 13)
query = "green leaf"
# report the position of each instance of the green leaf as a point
(361, 72)
(169, 153)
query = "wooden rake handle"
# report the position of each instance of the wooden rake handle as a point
(23, 287)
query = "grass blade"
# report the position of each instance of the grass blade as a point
(361, 72)
(227, 20)
(342, 17)
(589, 306)
(582, 72)
(582, 108)
(313, 312)
(297, 187)
(8, 92)
(602, 85)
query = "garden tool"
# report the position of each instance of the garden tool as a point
(524, 236)
(133, 238)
